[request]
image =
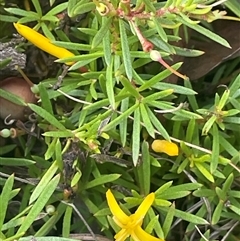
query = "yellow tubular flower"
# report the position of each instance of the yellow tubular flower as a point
(42, 42)
(164, 146)
(131, 225)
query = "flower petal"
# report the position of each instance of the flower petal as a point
(141, 235)
(121, 235)
(115, 208)
(164, 146)
(42, 42)
(143, 208)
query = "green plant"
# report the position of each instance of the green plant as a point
(95, 131)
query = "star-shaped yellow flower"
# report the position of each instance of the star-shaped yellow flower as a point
(131, 225)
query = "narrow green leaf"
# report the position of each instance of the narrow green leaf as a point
(58, 154)
(46, 103)
(50, 18)
(217, 212)
(84, 8)
(185, 20)
(51, 238)
(223, 100)
(107, 47)
(51, 148)
(163, 188)
(13, 223)
(98, 38)
(190, 130)
(118, 120)
(80, 64)
(185, 115)
(168, 220)
(228, 146)
(125, 50)
(11, 97)
(39, 204)
(59, 134)
(7, 148)
(10, 19)
(72, 46)
(11, 161)
(47, 116)
(233, 193)
(144, 172)
(157, 78)
(182, 166)
(235, 86)
(37, 7)
(110, 85)
(228, 183)
(5, 62)
(174, 195)
(162, 202)
(124, 122)
(81, 57)
(71, 7)
(58, 9)
(208, 125)
(176, 88)
(157, 95)
(5, 197)
(191, 98)
(46, 228)
(221, 195)
(136, 137)
(129, 87)
(186, 216)
(20, 12)
(155, 121)
(188, 52)
(215, 149)
(102, 180)
(204, 171)
(15, 237)
(235, 209)
(146, 120)
(154, 224)
(183, 187)
(76, 178)
(162, 34)
(233, 5)
(44, 182)
(67, 222)
(149, 6)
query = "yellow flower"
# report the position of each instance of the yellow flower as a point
(42, 42)
(164, 146)
(131, 225)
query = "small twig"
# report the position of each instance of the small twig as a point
(19, 179)
(181, 105)
(229, 231)
(88, 237)
(201, 233)
(30, 83)
(155, 56)
(58, 84)
(146, 45)
(9, 122)
(211, 5)
(83, 220)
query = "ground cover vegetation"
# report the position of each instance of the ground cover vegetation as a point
(120, 120)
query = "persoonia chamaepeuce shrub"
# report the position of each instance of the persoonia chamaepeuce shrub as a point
(120, 143)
